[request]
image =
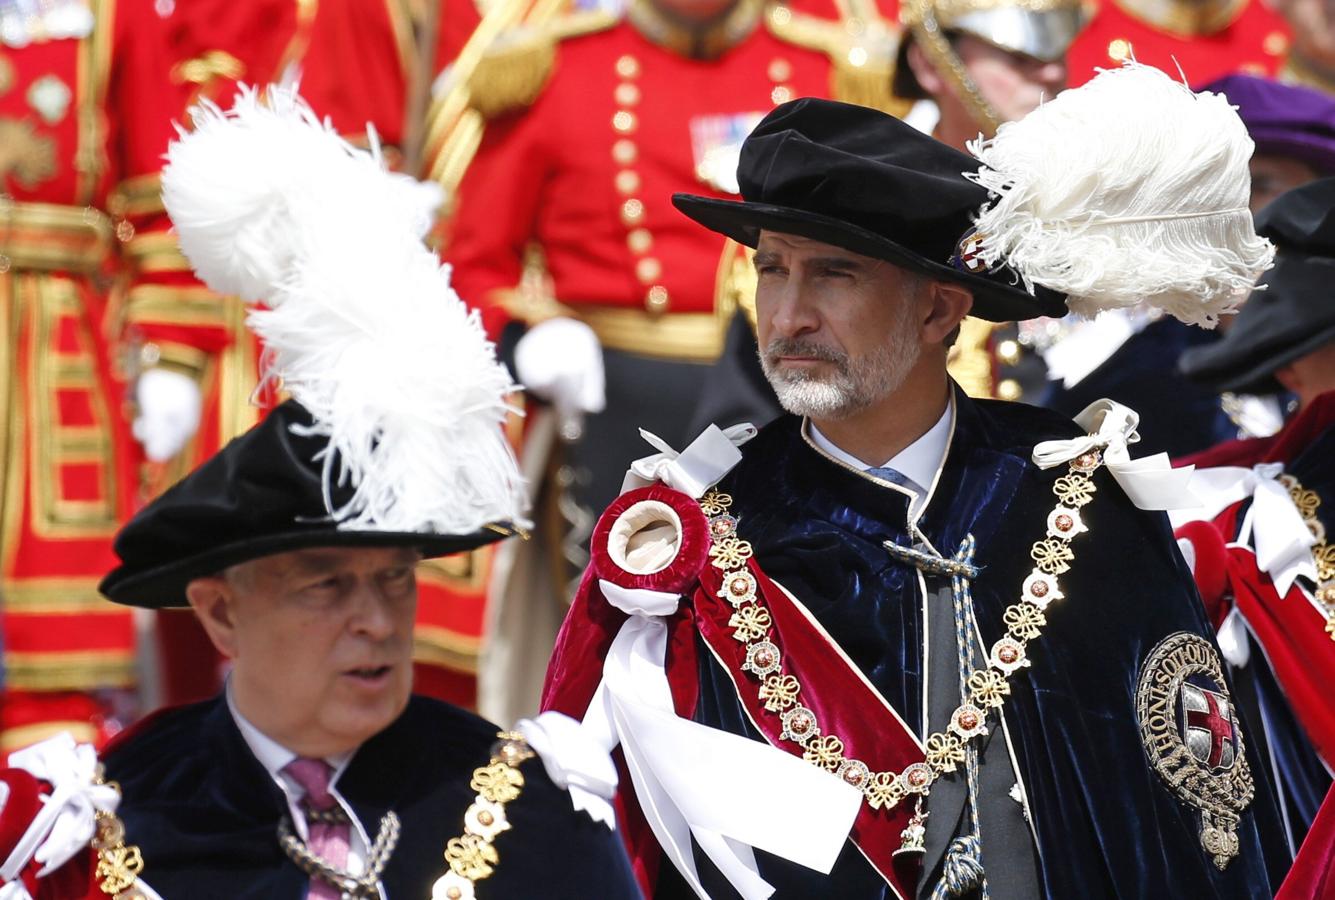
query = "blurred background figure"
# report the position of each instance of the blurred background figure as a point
(85, 116)
(1308, 56)
(1293, 127)
(367, 66)
(1294, 130)
(564, 235)
(1261, 548)
(974, 64)
(1283, 339)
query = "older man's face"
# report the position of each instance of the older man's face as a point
(836, 330)
(1013, 83)
(320, 640)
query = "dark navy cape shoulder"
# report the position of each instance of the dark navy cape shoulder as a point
(1177, 415)
(204, 811)
(1105, 823)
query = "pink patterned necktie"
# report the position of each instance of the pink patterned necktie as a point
(329, 842)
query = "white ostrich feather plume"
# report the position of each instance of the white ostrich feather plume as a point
(360, 322)
(1127, 191)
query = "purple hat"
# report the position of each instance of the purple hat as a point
(1284, 119)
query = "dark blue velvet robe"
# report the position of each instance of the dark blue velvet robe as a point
(1106, 825)
(205, 812)
(1177, 415)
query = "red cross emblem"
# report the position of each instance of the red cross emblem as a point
(1209, 727)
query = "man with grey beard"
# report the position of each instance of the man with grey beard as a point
(952, 606)
(824, 381)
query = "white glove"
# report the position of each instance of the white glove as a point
(169, 412)
(560, 361)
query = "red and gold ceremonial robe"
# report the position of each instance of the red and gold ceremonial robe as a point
(85, 116)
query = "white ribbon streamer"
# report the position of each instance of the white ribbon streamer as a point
(574, 762)
(1150, 483)
(1279, 536)
(730, 793)
(697, 468)
(68, 817)
(1232, 638)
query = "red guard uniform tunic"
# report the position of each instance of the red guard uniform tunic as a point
(1208, 40)
(354, 61)
(588, 171)
(84, 119)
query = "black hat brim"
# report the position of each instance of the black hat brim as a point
(1223, 368)
(1286, 318)
(163, 586)
(993, 300)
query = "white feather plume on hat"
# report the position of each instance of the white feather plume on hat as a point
(1127, 191)
(361, 324)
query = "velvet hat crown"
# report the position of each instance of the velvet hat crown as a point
(1284, 119)
(263, 493)
(859, 179)
(1293, 314)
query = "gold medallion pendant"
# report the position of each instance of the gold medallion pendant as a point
(1193, 739)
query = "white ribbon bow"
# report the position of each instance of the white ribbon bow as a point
(574, 762)
(1281, 539)
(15, 890)
(695, 781)
(1150, 483)
(68, 817)
(697, 468)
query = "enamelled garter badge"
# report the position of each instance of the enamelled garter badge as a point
(1193, 739)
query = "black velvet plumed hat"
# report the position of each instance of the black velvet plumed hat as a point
(261, 494)
(1293, 314)
(859, 179)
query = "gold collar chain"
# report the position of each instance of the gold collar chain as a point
(118, 865)
(988, 687)
(472, 856)
(1323, 552)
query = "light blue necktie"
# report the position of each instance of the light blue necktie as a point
(892, 475)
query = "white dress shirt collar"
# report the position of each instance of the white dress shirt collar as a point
(918, 462)
(274, 757)
(271, 754)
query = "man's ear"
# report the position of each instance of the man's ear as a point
(948, 304)
(928, 78)
(213, 598)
